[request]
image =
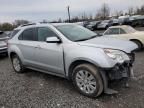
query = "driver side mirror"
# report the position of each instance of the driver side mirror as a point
(53, 39)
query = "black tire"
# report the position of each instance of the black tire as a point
(22, 68)
(93, 71)
(138, 43)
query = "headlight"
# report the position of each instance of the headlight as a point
(117, 55)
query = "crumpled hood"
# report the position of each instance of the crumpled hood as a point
(102, 42)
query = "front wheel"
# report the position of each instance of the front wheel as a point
(17, 64)
(87, 80)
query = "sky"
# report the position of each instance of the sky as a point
(38, 10)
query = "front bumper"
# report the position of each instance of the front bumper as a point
(120, 71)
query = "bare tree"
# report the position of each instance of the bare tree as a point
(90, 17)
(140, 10)
(103, 12)
(131, 11)
(118, 13)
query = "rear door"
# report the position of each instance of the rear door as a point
(27, 45)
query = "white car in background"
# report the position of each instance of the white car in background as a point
(126, 33)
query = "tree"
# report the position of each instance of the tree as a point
(131, 11)
(118, 13)
(103, 12)
(140, 11)
(6, 27)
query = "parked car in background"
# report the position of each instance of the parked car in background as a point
(3, 42)
(73, 52)
(137, 20)
(104, 24)
(93, 25)
(114, 22)
(124, 20)
(79, 23)
(83, 23)
(126, 32)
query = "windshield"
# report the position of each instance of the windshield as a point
(129, 29)
(76, 32)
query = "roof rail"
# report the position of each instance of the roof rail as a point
(27, 24)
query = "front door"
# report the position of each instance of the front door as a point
(49, 55)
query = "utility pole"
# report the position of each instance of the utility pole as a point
(68, 9)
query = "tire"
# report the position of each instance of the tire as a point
(94, 79)
(17, 64)
(139, 44)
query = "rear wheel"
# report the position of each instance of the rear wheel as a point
(17, 64)
(87, 80)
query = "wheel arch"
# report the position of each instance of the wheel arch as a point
(76, 63)
(12, 54)
(137, 41)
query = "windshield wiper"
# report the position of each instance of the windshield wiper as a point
(86, 38)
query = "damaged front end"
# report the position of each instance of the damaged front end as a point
(119, 72)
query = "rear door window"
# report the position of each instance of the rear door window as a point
(29, 35)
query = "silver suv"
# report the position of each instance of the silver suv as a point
(72, 52)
